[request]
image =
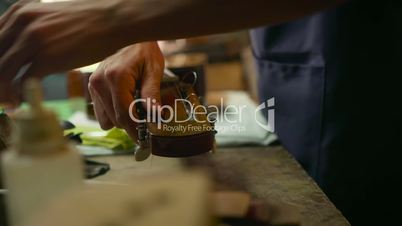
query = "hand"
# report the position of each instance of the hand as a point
(112, 85)
(55, 37)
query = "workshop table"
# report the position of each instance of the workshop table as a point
(267, 173)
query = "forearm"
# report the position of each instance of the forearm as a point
(55, 37)
(147, 20)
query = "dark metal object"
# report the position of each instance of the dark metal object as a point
(67, 125)
(94, 169)
(142, 151)
(74, 137)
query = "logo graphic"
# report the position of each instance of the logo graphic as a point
(269, 124)
(228, 117)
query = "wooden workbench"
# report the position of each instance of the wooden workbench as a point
(268, 173)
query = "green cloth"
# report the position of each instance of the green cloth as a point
(114, 139)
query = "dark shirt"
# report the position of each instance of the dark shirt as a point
(336, 78)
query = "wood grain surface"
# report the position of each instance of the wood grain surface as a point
(267, 173)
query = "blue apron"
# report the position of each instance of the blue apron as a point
(336, 78)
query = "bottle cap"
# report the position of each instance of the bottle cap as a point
(37, 129)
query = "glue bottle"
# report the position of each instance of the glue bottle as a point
(40, 164)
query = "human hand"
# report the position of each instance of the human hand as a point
(55, 37)
(112, 86)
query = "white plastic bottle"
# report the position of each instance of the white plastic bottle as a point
(41, 164)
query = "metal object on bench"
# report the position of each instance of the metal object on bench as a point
(183, 128)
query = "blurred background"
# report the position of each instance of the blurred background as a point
(226, 62)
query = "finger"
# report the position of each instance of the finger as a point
(11, 29)
(11, 10)
(15, 58)
(101, 115)
(123, 98)
(30, 70)
(100, 112)
(7, 15)
(122, 101)
(102, 92)
(150, 87)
